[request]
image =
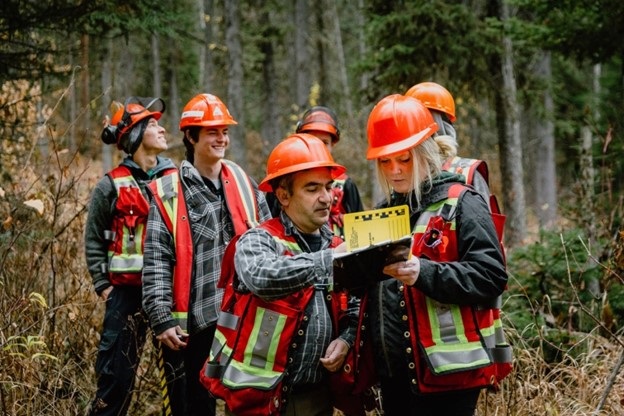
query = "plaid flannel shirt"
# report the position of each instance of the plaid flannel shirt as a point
(212, 230)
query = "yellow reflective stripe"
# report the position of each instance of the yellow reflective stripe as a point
(454, 357)
(264, 338)
(245, 190)
(182, 318)
(125, 181)
(165, 185)
(120, 263)
(291, 245)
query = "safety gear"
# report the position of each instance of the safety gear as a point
(319, 118)
(467, 168)
(453, 346)
(299, 152)
(397, 123)
(435, 97)
(205, 110)
(255, 339)
(241, 201)
(125, 249)
(135, 110)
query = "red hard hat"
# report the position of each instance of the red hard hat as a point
(300, 151)
(319, 118)
(435, 97)
(205, 110)
(397, 123)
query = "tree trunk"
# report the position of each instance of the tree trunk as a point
(510, 144)
(235, 80)
(336, 57)
(206, 64)
(270, 130)
(545, 172)
(107, 84)
(157, 86)
(301, 53)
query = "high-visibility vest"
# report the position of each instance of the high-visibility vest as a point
(125, 249)
(255, 339)
(243, 209)
(452, 346)
(468, 167)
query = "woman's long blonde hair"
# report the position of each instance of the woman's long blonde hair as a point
(431, 153)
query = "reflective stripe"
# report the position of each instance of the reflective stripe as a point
(124, 263)
(237, 374)
(228, 320)
(245, 190)
(167, 190)
(264, 338)
(182, 318)
(290, 245)
(452, 357)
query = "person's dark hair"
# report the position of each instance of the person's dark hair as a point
(285, 181)
(190, 149)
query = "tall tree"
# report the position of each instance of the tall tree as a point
(235, 94)
(510, 146)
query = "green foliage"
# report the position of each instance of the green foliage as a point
(413, 41)
(556, 275)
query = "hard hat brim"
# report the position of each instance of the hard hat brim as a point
(403, 145)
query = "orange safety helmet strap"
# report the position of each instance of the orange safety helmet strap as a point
(299, 152)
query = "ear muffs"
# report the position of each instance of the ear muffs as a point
(109, 134)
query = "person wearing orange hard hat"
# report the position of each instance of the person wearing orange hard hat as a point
(284, 272)
(114, 235)
(435, 309)
(194, 213)
(322, 122)
(441, 104)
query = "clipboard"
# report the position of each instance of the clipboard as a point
(373, 237)
(366, 228)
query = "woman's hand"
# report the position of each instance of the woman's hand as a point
(406, 271)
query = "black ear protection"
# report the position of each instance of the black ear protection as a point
(109, 134)
(302, 121)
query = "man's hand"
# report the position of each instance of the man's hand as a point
(174, 338)
(105, 293)
(335, 355)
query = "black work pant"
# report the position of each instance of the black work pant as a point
(121, 343)
(199, 401)
(398, 400)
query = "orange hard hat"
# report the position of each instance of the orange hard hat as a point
(397, 123)
(435, 97)
(124, 119)
(300, 151)
(205, 110)
(320, 118)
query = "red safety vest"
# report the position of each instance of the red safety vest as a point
(467, 168)
(255, 339)
(125, 249)
(453, 347)
(242, 206)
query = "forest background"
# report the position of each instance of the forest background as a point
(539, 89)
